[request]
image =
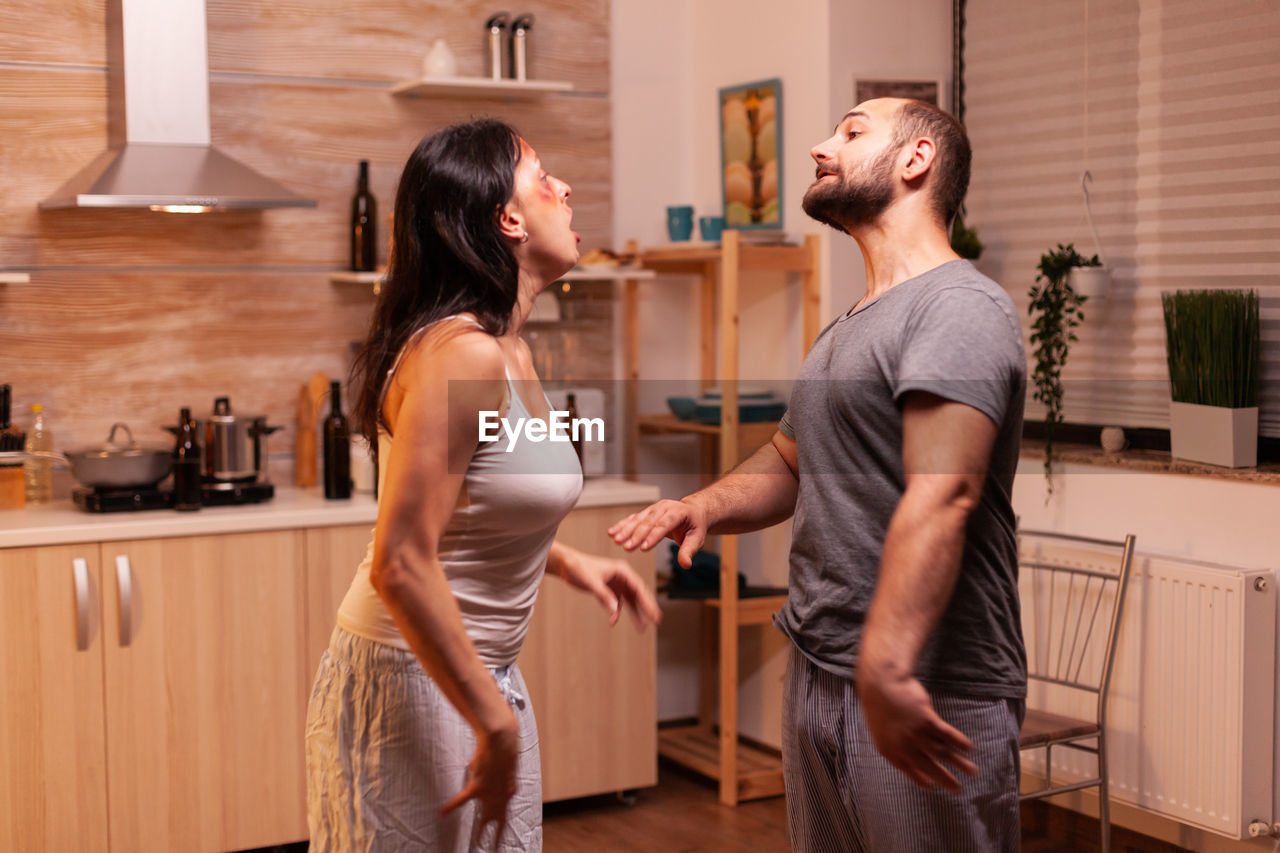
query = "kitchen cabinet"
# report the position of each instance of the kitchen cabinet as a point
(593, 687)
(153, 689)
(206, 677)
(744, 772)
(53, 792)
(156, 706)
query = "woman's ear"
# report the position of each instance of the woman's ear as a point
(511, 222)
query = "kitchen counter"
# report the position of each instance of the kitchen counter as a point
(62, 523)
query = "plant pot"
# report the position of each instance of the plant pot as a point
(1089, 281)
(1214, 434)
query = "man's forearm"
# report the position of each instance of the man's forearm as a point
(922, 558)
(760, 492)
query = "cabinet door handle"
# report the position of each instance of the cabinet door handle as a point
(80, 577)
(124, 582)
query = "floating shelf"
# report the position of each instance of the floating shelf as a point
(372, 279)
(478, 87)
(15, 278)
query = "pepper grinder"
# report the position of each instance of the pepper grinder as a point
(519, 44)
(495, 25)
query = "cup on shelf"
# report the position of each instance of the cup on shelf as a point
(709, 228)
(680, 222)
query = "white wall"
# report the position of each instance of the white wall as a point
(904, 40)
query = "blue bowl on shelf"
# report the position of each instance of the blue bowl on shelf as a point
(754, 408)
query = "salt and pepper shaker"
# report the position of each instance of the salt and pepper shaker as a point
(496, 23)
(519, 43)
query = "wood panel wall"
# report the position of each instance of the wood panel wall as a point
(131, 314)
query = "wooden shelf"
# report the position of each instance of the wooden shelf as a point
(766, 257)
(752, 611)
(741, 771)
(750, 435)
(479, 87)
(603, 273)
(25, 278)
(698, 748)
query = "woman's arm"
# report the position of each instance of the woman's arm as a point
(435, 425)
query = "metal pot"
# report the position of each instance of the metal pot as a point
(235, 446)
(114, 465)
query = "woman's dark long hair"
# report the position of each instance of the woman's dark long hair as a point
(447, 254)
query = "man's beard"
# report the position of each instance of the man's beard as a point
(853, 202)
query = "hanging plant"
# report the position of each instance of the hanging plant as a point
(1055, 312)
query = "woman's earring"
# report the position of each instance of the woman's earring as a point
(525, 238)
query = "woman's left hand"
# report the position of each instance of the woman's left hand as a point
(614, 583)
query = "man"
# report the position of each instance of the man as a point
(906, 682)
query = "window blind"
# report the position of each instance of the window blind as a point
(1173, 108)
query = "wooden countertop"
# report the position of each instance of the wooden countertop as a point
(1151, 461)
(62, 523)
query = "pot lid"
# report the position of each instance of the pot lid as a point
(116, 449)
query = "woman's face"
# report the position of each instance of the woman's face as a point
(543, 203)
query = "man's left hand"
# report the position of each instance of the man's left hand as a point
(908, 732)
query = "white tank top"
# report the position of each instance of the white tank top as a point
(494, 548)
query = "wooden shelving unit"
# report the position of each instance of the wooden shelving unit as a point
(479, 87)
(743, 770)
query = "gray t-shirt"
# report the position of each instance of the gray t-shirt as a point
(954, 333)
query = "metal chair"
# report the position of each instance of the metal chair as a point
(1063, 598)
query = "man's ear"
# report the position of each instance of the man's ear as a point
(510, 222)
(923, 152)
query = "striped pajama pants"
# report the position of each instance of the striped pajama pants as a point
(843, 796)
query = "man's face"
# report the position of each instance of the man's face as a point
(856, 177)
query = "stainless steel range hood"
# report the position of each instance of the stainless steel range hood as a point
(160, 156)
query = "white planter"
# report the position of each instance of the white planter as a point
(1214, 434)
(1089, 281)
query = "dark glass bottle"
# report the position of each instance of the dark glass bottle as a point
(364, 224)
(337, 448)
(571, 403)
(186, 466)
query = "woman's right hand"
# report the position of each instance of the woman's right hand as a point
(492, 777)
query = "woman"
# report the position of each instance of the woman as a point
(418, 732)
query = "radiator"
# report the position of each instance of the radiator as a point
(1191, 716)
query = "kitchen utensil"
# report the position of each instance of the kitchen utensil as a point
(115, 464)
(304, 446)
(235, 446)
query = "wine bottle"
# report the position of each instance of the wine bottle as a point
(364, 224)
(337, 448)
(187, 487)
(571, 403)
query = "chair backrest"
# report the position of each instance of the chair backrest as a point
(1072, 590)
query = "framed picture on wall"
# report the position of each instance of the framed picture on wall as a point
(929, 91)
(750, 154)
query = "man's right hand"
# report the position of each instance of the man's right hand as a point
(685, 521)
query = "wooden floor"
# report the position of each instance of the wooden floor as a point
(683, 815)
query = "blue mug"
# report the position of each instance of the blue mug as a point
(710, 227)
(680, 222)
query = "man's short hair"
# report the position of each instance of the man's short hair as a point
(950, 164)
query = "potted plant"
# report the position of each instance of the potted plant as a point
(964, 241)
(1055, 312)
(1212, 341)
